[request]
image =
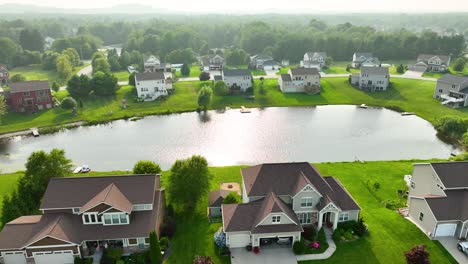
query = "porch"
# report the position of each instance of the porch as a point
(96, 248)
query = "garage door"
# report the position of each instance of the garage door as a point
(14, 257)
(445, 230)
(239, 240)
(54, 257)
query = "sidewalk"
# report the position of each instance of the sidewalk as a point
(328, 253)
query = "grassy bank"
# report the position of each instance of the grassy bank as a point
(35, 72)
(409, 95)
(451, 71)
(389, 234)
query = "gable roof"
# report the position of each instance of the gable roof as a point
(314, 56)
(362, 56)
(148, 76)
(452, 174)
(286, 77)
(246, 217)
(374, 70)
(427, 57)
(270, 63)
(29, 86)
(236, 72)
(215, 198)
(261, 57)
(452, 207)
(288, 178)
(112, 196)
(453, 79)
(72, 192)
(304, 71)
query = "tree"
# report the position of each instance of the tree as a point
(104, 84)
(8, 51)
(31, 40)
(131, 78)
(49, 59)
(124, 60)
(114, 63)
(189, 181)
(417, 255)
(101, 65)
(69, 103)
(220, 88)
(64, 67)
(459, 64)
(73, 56)
(400, 68)
(204, 96)
(204, 76)
(18, 78)
(79, 86)
(2, 107)
(55, 86)
(185, 70)
(155, 251)
(146, 167)
(328, 61)
(204, 49)
(232, 198)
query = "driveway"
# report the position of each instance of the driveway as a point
(450, 243)
(266, 256)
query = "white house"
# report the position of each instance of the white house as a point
(371, 79)
(452, 90)
(300, 80)
(432, 63)
(152, 85)
(314, 60)
(153, 64)
(364, 59)
(237, 79)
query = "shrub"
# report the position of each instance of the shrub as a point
(400, 68)
(139, 258)
(360, 228)
(220, 88)
(232, 198)
(220, 238)
(83, 261)
(298, 248)
(348, 235)
(465, 139)
(248, 248)
(309, 232)
(204, 76)
(168, 227)
(146, 167)
(256, 250)
(68, 103)
(322, 238)
(164, 243)
(452, 127)
(202, 260)
(170, 210)
(392, 204)
(347, 225)
(249, 90)
(337, 234)
(417, 255)
(224, 251)
(17, 78)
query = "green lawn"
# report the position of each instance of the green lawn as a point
(194, 72)
(410, 95)
(451, 70)
(390, 235)
(122, 76)
(35, 72)
(339, 67)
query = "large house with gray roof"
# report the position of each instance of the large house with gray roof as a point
(263, 62)
(371, 79)
(438, 199)
(300, 80)
(237, 80)
(279, 199)
(367, 59)
(82, 215)
(432, 63)
(314, 60)
(452, 90)
(152, 85)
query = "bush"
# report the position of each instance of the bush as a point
(309, 232)
(347, 225)
(220, 238)
(465, 139)
(170, 210)
(164, 243)
(83, 261)
(68, 103)
(298, 248)
(202, 260)
(417, 255)
(249, 90)
(338, 234)
(248, 248)
(139, 258)
(392, 204)
(17, 78)
(232, 198)
(452, 126)
(348, 235)
(224, 251)
(220, 88)
(360, 228)
(146, 167)
(168, 227)
(322, 238)
(204, 76)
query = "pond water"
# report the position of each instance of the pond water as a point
(286, 134)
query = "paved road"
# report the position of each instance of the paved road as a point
(403, 76)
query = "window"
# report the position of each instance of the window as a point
(26, 93)
(453, 86)
(132, 242)
(306, 202)
(441, 91)
(343, 217)
(276, 219)
(116, 219)
(304, 218)
(141, 241)
(142, 207)
(107, 219)
(76, 210)
(91, 218)
(413, 185)
(421, 216)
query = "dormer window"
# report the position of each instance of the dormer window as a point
(91, 218)
(276, 219)
(116, 219)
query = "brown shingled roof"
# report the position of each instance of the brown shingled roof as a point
(29, 86)
(111, 196)
(452, 174)
(216, 198)
(452, 207)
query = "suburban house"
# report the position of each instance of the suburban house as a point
(215, 200)
(437, 199)
(237, 80)
(29, 96)
(371, 79)
(364, 59)
(452, 90)
(83, 215)
(279, 199)
(153, 64)
(4, 75)
(300, 80)
(263, 62)
(432, 63)
(152, 85)
(213, 62)
(314, 60)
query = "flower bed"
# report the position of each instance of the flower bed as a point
(349, 231)
(315, 244)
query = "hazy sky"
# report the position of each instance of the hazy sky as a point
(249, 6)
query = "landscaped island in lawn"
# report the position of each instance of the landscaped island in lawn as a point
(407, 95)
(390, 235)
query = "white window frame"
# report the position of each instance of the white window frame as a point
(89, 214)
(343, 217)
(139, 239)
(76, 210)
(112, 221)
(142, 207)
(128, 242)
(304, 201)
(276, 219)
(305, 218)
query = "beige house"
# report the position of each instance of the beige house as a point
(365, 59)
(237, 80)
(371, 79)
(438, 197)
(82, 215)
(279, 199)
(452, 90)
(300, 80)
(314, 60)
(431, 63)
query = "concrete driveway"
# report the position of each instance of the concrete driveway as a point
(450, 243)
(266, 256)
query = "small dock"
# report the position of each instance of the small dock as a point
(244, 110)
(35, 132)
(407, 113)
(363, 106)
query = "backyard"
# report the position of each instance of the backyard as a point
(390, 235)
(35, 72)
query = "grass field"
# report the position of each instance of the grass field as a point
(122, 76)
(390, 235)
(194, 72)
(409, 95)
(35, 72)
(451, 70)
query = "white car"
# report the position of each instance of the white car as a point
(463, 247)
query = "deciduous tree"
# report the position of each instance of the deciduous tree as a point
(185, 70)
(146, 167)
(417, 255)
(220, 88)
(204, 96)
(232, 198)
(459, 64)
(155, 250)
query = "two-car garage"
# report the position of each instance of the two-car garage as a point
(45, 257)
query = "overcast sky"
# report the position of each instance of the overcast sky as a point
(251, 6)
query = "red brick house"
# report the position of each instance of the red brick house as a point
(30, 96)
(4, 75)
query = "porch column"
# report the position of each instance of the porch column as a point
(319, 221)
(335, 222)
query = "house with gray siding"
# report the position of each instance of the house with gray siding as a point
(438, 199)
(371, 79)
(432, 63)
(300, 80)
(367, 59)
(314, 60)
(237, 80)
(452, 90)
(278, 199)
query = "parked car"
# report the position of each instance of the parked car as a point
(284, 240)
(463, 247)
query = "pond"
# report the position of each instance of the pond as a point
(315, 134)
